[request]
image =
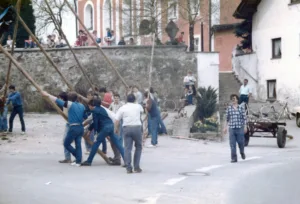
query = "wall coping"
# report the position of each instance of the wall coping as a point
(238, 55)
(103, 48)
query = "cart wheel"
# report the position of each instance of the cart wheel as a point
(247, 138)
(298, 120)
(281, 137)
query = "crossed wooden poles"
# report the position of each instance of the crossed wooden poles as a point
(26, 75)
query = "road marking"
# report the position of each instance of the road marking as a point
(250, 158)
(173, 181)
(152, 200)
(208, 168)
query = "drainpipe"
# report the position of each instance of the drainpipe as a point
(76, 22)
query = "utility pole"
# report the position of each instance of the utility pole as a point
(202, 37)
(76, 22)
(209, 25)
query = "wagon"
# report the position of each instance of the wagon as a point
(276, 129)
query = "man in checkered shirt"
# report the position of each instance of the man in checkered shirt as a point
(237, 123)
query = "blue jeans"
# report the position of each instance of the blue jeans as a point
(161, 126)
(236, 135)
(3, 119)
(31, 45)
(244, 98)
(75, 133)
(66, 152)
(107, 130)
(190, 99)
(154, 129)
(149, 125)
(16, 110)
(121, 132)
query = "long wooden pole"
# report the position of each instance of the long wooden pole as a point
(58, 27)
(32, 81)
(46, 54)
(99, 48)
(151, 62)
(18, 7)
(46, 98)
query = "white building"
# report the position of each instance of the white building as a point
(68, 22)
(273, 68)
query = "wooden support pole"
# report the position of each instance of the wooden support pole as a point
(88, 140)
(58, 27)
(18, 7)
(99, 48)
(46, 98)
(32, 81)
(151, 62)
(47, 55)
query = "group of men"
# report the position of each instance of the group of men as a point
(121, 124)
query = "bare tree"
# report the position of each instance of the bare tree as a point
(194, 11)
(142, 18)
(43, 16)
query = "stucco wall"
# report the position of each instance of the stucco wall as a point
(208, 69)
(170, 65)
(275, 20)
(245, 66)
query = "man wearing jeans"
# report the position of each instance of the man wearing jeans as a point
(245, 92)
(153, 112)
(103, 126)
(236, 120)
(130, 113)
(15, 98)
(75, 120)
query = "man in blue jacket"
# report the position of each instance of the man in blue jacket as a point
(15, 98)
(103, 126)
(75, 119)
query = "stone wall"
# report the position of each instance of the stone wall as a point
(170, 65)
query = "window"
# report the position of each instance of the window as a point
(271, 86)
(197, 43)
(295, 1)
(194, 7)
(89, 17)
(127, 17)
(276, 48)
(172, 9)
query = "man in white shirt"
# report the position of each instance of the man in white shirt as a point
(130, 113)
(190, 80)
(245, 92)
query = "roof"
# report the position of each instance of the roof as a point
(224, 27)
(246, 9)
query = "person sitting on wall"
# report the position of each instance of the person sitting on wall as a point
(122, 41)
(29, 43)
(83, 38)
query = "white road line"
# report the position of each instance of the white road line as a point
(250, 158)
(152, 200)
(208, 168)
(173, 181)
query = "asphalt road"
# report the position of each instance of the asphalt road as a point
(177, 172)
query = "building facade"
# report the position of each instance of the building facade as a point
(125, 17)
(224, 37)
(276, 48)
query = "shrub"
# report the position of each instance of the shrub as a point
(206, 103)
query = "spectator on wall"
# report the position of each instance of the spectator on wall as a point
(122, 41)
(131, 41)
(29, 43)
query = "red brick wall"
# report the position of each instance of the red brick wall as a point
(224, 43)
